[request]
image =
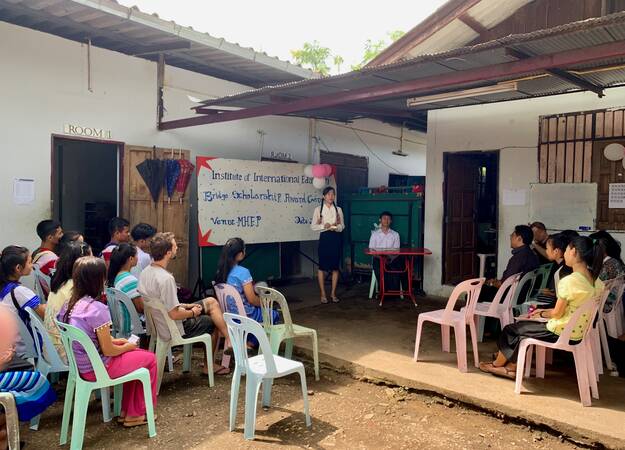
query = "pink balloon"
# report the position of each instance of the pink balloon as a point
(328, 170)
(318, 171)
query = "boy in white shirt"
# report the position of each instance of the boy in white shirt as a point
(386, 238)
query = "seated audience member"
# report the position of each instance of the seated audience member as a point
(613, 266)
(69, 236)
(229, 271)
(15, 263)
(582, 285)
(386, 238)
(119, 356)
(31, 390)
(61, 288)
(556, 246)
(119, 231)
(523, 260)
(156, 283)
(123, 259)
(540, 241)
(569, 233)
(50, 233)
(141, 235)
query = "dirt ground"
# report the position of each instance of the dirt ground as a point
(346, 413)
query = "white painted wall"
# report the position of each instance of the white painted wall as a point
(43, 85)
(510, 127)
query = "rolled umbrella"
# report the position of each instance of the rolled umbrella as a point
(186, 169)
(172, 172)
(153, 173)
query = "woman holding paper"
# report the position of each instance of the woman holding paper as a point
(328, 219)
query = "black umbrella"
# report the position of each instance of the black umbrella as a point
(153, 173)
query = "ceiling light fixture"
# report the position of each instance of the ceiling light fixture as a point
(475, 92)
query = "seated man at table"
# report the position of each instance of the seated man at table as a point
(523, 260)
(384, 238)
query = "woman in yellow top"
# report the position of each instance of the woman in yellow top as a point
(585, 258)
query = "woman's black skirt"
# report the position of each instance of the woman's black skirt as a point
(330, 243)
(511, 336)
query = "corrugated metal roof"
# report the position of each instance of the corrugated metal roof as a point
(128, 30)
(577, 35)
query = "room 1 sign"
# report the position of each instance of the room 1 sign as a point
(78, 130)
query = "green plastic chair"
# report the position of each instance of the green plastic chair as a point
(79, 390)
(287, 330)
(543, 273)
(155, 314)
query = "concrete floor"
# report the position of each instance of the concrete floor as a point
(358, 336)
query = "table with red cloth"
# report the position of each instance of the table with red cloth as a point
(409, 254)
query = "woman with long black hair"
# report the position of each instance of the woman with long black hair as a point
(585, 258)
(328, 220)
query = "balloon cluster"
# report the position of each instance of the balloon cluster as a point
(615, 152)
(319, 174)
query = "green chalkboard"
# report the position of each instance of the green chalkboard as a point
(263, 260)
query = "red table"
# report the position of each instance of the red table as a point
(409, 254)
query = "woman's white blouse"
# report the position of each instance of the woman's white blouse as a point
(329, 216)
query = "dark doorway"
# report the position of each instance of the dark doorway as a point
(470, 213)
(86, 180)
(352, 173)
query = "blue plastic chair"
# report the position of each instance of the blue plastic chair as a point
(78, 390)
(262, 368)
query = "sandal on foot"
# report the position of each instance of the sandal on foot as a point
(222, 371)
(335, 299)
(324, 300)
(501, 371)
(143, 420)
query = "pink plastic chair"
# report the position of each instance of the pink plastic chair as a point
(500, 308)
(458, 319)
(582, 353)
(222, 291)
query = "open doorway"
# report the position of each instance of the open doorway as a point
(85, 187)
(470, 213)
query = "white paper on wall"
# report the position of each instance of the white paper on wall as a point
(23, 191)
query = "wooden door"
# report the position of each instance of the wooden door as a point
(461, 183)
(605, 172)
(138, 205)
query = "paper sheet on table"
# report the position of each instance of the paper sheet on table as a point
(23, 191)
(514, 197)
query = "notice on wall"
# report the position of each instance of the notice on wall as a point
(514, 197)
(617, 195)
(256, 201)
(23, 191)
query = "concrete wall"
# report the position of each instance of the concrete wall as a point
(510, 127)
(43, 86)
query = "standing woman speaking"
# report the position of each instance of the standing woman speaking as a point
(328, 219)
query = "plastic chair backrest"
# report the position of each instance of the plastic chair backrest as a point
(30, 350)
(46, 351)
(122, 303)
(472, 289)
(239, 327)
(111, 302)
(41, 280)
(223, 291)
(556, 280)
(543, 275)
(616, 286)
(71, 335)
(590, 307)
(268, 297)
(505, 293)
(164, 326)
(526, 280)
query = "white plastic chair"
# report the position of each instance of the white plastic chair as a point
(222, 292)
(7, 401)
(459, 320)
(156, 313)
(287, 330)
(48, 361)
(41, 280)
(617, 286)
(262, 368)
(500, 308)
(582, 353)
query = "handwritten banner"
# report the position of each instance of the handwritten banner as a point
(256, 201)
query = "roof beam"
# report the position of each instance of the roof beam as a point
(472, 23)
(450, 81)
(164, 48)
(562, 74)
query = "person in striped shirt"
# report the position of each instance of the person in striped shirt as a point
(45, 257)
(119, 229)
(123, 259)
